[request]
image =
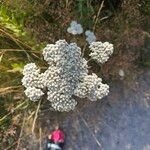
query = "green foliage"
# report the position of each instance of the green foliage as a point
(145, 7)
(13, 21)
(111, 4)
(9, 20)
(18, 67)
(145, 53)
(16, 44)
(89, 8)
(85, 10)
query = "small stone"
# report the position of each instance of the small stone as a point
(121, 73)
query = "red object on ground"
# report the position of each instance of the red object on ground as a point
(58, 136)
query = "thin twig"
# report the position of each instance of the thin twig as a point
(95, 23)
(36, 115)
(97, 141)
(8, 89)
(20, 50)
(23, 50)
(31, 115)
(84, 48)
(89, 60)
(10, 147)
(21, 132)
(97, 16)
(18, 106)
(2, 56)
(18, 42)
(106, 17)
(40, 141)
(15, 39)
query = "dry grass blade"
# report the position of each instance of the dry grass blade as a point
(21, 132)
(97, 141)
(15, 39)
(10, 147)
(34, 53)
(95, 23)
(17, 107)
(84, 48)
(10, 89)
(36, 115)
(31, 115)
(97, 16)
(2, 53)
(20, 50)
(40, 141)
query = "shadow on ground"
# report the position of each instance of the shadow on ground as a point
(120, 121)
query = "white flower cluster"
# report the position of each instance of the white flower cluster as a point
(33, 93)
(66, 67)
(92, 87)
(90, 37)
(75, 28)
(32, 76)
(66, 75)
(101, 51)
(61, 78)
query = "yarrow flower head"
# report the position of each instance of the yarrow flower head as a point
(67, 75)
(90, 37)
(32, 76)
(101, 51)
(92, 87)
(61, 78)
(33, 93)
(75, 28)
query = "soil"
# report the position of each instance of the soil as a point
(119, 121)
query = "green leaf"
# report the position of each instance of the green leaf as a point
(17, 67)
